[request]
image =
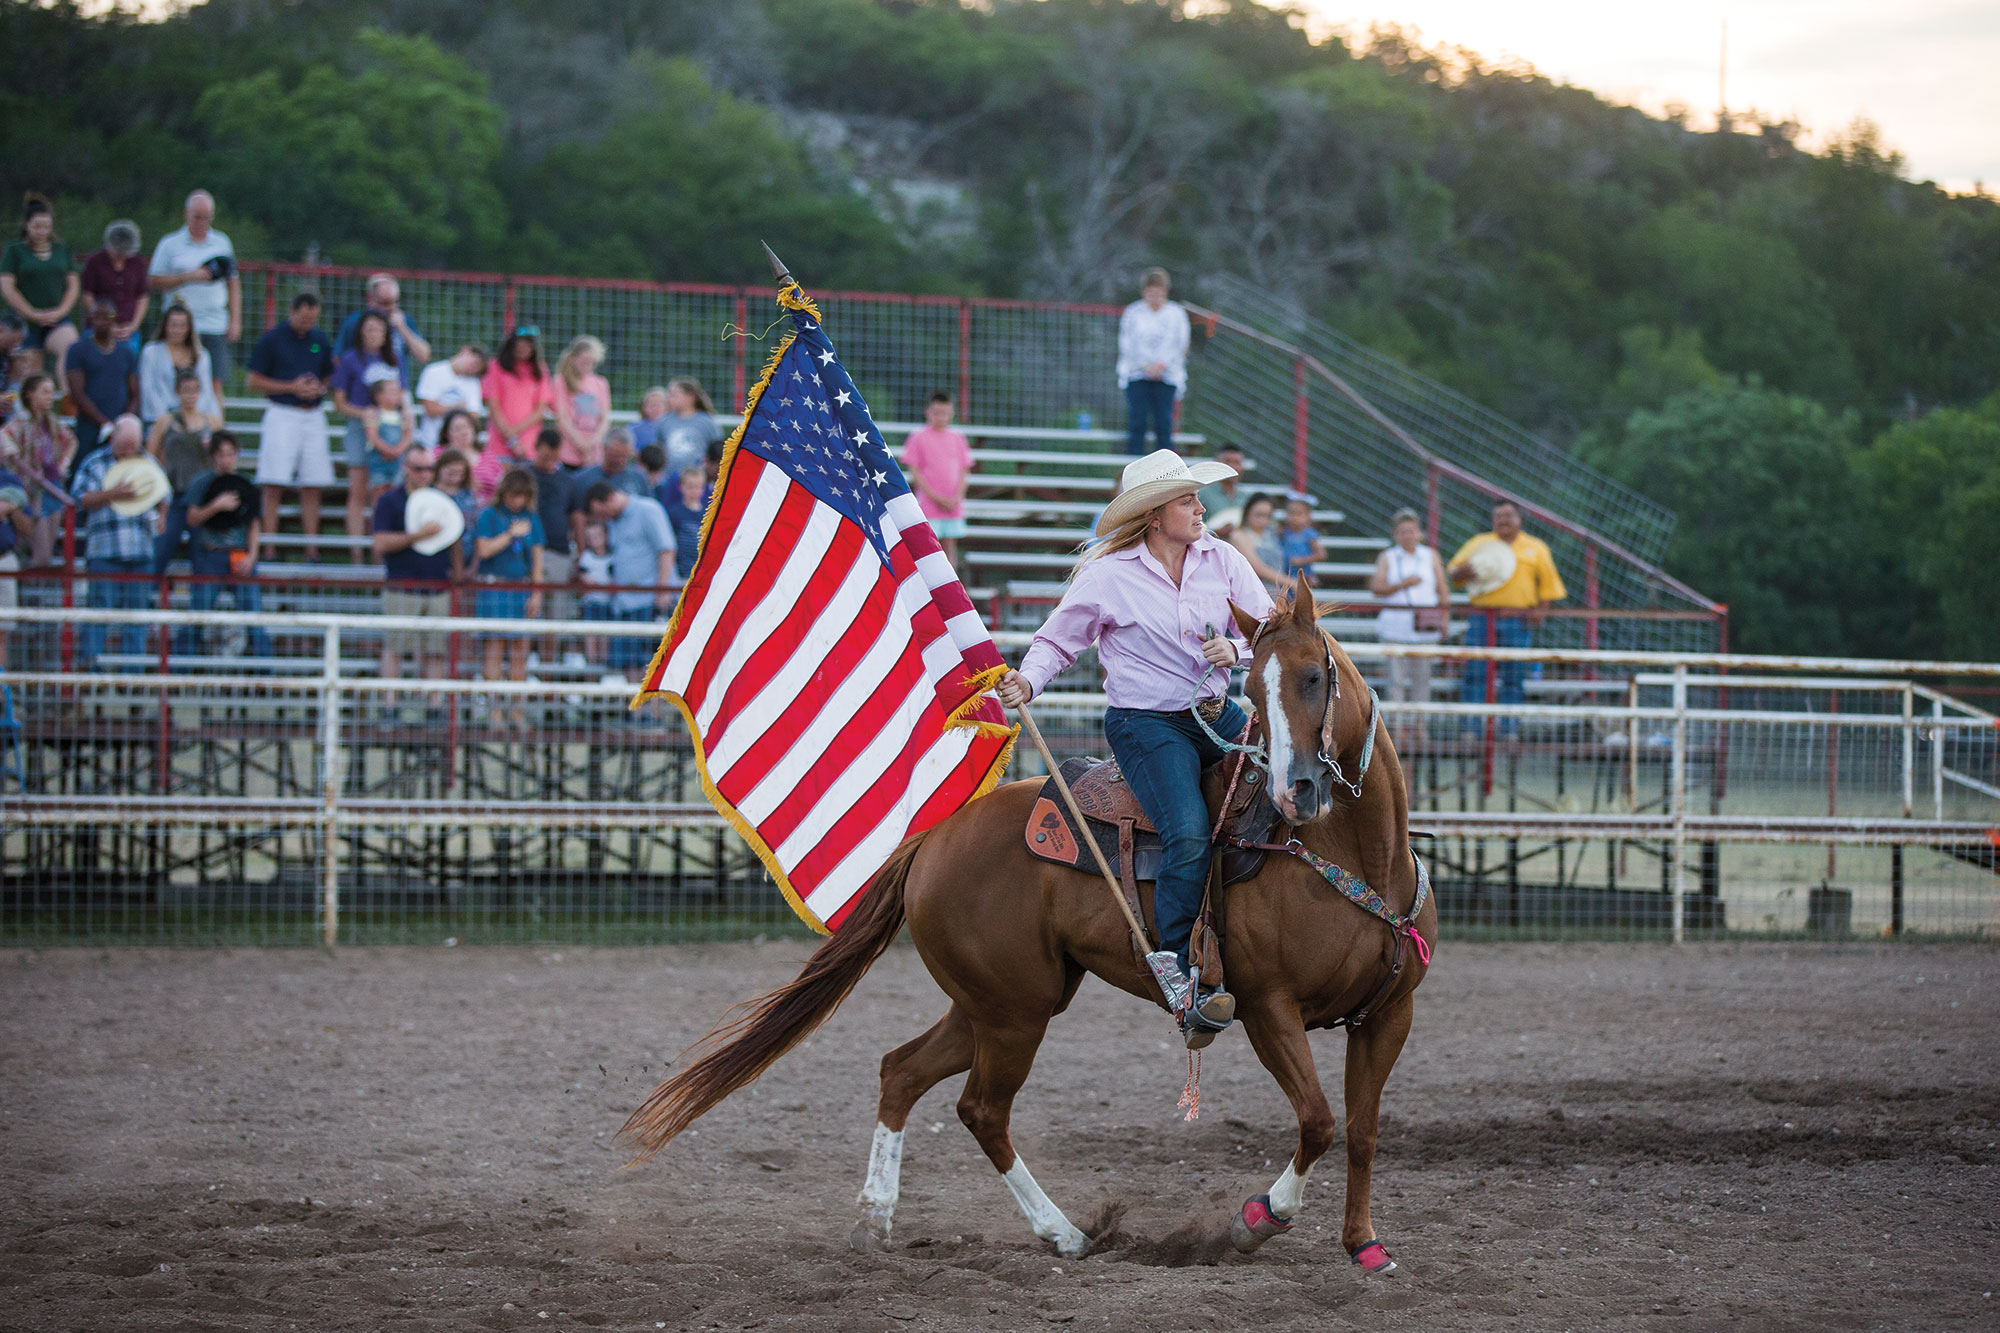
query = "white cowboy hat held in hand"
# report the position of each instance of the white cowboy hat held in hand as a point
(1151, 481)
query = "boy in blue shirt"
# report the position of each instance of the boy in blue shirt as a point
(508, 539)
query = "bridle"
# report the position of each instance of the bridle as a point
(1327, 715)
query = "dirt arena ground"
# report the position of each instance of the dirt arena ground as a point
(1593, 1136)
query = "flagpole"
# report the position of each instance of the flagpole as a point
(784, 280)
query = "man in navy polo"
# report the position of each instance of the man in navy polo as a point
(290, 366)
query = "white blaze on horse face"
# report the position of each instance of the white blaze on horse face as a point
(1047, 1219)
(1278, 729)
(885, 1172)
(1288, 1193)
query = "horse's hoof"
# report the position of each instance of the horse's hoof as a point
(1373, 1257)
(867, 1239)
(1255, 1224)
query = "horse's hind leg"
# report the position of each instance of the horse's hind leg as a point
(1000, 1063)
(1371, 1053)
(1279, 1038)
(908, 1072)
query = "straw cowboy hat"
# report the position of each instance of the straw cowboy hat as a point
(1149, 482)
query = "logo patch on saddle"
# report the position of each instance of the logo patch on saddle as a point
(1049, 834)
(1111, 810)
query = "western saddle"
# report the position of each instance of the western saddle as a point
(1132, 845)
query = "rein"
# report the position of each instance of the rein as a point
(1355, 889)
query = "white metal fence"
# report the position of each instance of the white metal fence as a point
(1630, 794)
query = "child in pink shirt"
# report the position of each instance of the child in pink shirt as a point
(517, 394)
(582, 400)
(939, 460)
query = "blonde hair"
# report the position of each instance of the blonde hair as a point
(1124, 537)
(566, 364)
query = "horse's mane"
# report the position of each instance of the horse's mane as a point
(1286, 601)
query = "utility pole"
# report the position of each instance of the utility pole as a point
(1722, 82)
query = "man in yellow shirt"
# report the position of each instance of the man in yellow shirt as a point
(1509, 612)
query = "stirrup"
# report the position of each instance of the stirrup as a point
(1206, 1018)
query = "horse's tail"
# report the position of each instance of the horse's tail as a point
(765, 1028)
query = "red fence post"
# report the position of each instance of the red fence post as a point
(67, 636)
(1492, 695)
(162, 764)
(451, 700)
(506, 314)
(741, 384)
(1301, 420)
(1431, 512)
(965, 360)
(1590, 594)
(270, 299)
(1722, 749)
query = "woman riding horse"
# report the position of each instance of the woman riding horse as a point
(1151, 595)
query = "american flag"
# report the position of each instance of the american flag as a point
(830, 667)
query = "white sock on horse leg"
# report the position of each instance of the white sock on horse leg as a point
(1047, 1219)
(1288, 1193)
(885, 1174)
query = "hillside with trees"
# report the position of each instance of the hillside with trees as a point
(1795, 348)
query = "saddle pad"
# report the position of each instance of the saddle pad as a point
(1052, 835)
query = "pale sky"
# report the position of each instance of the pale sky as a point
(1927, 72)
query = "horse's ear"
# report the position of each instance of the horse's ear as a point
(1303, 607)
(1245, 622)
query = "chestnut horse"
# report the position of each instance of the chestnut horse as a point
(1009, 938)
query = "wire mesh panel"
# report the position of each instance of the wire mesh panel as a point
(262, 807)
(1456, 427)
(1370, 437)
(1041, 364)
(159, 809)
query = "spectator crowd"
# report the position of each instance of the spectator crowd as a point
(117, 358)
(495, 480)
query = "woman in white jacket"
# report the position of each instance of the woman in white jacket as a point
(1153, 338)
(174, 348)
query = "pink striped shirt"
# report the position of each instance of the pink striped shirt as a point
(1147, 631)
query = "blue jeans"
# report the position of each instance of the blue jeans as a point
(106, 595)
(167, 546)
(636, 652)
(1508, 632)
(1162, 755)
(1148, 400)
(203, 597)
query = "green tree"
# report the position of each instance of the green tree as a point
(386, 157)
(1934, 485)
(684, 180)
(1771, 521)
(1759, 308)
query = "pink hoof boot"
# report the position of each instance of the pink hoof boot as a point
(1374, 1256)
(1256, 1224)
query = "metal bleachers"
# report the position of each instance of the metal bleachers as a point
(1034, 496)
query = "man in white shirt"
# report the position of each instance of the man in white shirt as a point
(198, 264)
(449, 386)
(1153, 336)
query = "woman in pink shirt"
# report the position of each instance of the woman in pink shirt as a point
(940, 463)
(582, 399)
(517, 394)
(1154, 597)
